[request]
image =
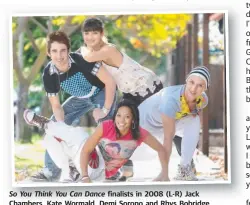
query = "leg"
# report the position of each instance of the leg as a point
(190, 139)
(177, 141)
(74, 145)
(58, 152)
(190, 127)
(97, 174)
(73, 108)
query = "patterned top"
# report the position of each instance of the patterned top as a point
(80, 80)
(116, 152)
(133, 78)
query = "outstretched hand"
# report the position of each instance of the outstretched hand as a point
(98, 114)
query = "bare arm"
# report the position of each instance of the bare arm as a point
(94, 56)
(110, 88)
(157, 146)
(89, 146)
(169, 132)
(57, 108)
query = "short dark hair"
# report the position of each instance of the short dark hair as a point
(92, 24)
(135, 130)
(57, 36)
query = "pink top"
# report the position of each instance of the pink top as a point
(116, 152)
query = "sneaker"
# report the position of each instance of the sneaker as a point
(127, 170)
(193, 167)
(74, 174)
(32, 118)
(39, 177)
(185, 173)
(119, 177)
(94, 159)
(114, 178)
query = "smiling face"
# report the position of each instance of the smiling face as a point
(194, 87)
(123, 119)
(59, 55)
(92, 38)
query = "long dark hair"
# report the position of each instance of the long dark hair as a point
(135, 130)
(92, 24)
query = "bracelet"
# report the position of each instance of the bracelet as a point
(105, 110)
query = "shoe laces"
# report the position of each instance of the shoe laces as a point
(39, 121)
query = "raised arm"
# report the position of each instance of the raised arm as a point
(89, 146)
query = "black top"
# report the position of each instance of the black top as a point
(80, 80)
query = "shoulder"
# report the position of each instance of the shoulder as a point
(143, 132)
(170, 100)
(76, 55)
(80, 61)
(203, 101)
(173, 92)
(108, 125)
(49, 70)
(109, 48)
(46, 68)
(204, 95)
(143, 135)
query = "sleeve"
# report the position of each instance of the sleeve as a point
(51, 84)
(106, 127)
(92, 67)
(144, 134)
(96, 68)
(168, 105)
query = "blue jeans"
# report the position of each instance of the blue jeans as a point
(74, 108)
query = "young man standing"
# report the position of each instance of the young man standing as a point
(89, 84)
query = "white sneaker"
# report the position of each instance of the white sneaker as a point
(185, 173)
(193, 167)
(32, 118)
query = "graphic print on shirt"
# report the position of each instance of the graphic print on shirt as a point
(80, 80)
(116, 154)
(77, 85)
